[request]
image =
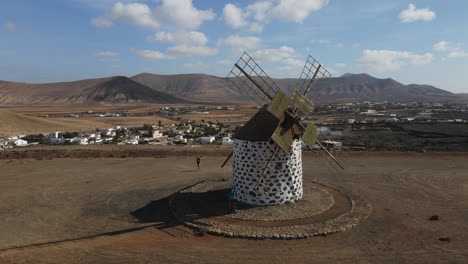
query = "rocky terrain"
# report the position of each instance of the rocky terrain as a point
(202, 88)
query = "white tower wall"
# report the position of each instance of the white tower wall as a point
(283, 180)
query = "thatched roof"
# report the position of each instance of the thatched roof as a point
(259, 128)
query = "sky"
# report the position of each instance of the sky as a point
(422, 42)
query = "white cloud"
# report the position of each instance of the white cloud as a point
(297, 10)
(179, 13)
(194, 38)
(106, 54)
(187, 50)
(183, 14)
(260, 10)
(412, 14)
(152, 55)
(264, 11)
(10, 26)
(457, 53)
(274, 55)
(453, 50)
(138, 14)
(389, 60)
(236, 41)
(234, 16)
(255, 28)
(340, 65)
(441, 46)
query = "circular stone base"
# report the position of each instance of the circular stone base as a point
(323, 210)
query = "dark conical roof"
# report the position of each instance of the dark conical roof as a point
(259, 128)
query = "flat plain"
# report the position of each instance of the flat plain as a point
(115, 211)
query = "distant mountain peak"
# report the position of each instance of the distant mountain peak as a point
(347, 75)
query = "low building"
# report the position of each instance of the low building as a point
(227, 141)
(157, 133)
(16, 142)
(56, 141)
(81, 141)
(207, 140)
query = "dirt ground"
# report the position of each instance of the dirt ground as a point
(115, 211)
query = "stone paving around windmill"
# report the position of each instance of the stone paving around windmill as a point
(323, 210)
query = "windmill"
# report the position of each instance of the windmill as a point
(267, 151)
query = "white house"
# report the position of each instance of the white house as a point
(207, 140)
(157, 133)
(227, 141)
(16, 142)
(55, 135)
(81, 141)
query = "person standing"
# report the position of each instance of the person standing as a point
(198, 161)
(232, 203)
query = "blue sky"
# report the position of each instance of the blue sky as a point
(424, 42)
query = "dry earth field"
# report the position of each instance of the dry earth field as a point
(115, 211)
(27, 120)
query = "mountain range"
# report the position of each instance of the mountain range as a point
(202, 88)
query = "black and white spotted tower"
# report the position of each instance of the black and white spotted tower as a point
(252, 150)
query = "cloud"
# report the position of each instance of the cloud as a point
(106, 54)
(412, 14)
(187, 50)
(236, 41)
(183, 14)
(152, 55)
(10, 26)
(179, 13)
(340, 65)
(457, 53)
(265, 11)
(284, 57)
(234, 16)
(453, 50)
(274, 55)
(441, 46)
(135, 13)
(297, 10)
(260, 10)
(389, 60)
(194, 38)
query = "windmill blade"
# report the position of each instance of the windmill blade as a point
(250, 79)
(312, 77)
(310, 135)
(279, 105)
(301, 103)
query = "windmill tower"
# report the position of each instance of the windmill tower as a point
(267, 151)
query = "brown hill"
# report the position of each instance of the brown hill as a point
(118, 90)
(192, 87)
(349, 87)
(202, 88)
